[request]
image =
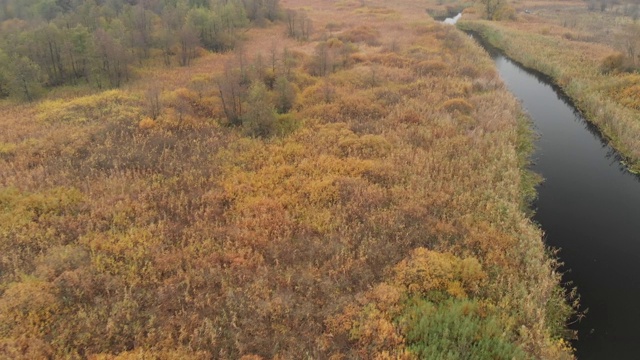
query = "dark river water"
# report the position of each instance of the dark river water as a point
(589, 207)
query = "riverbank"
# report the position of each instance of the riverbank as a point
(606, 100)
(587, 208)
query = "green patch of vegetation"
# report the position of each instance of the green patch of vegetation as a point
(457, 329)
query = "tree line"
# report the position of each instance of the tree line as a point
(47, 43)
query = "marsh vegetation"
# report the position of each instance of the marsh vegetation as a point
(349, 182)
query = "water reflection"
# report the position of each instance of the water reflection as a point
(589, 206)
(546, 80)
(453, 20)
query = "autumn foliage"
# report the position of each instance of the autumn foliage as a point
(368, 211)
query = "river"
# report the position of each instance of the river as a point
(589, 207)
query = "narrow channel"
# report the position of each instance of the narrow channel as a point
(589, 207)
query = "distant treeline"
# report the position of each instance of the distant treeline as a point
(45, 43)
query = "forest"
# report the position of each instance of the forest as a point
(265, 180)
(52, 43)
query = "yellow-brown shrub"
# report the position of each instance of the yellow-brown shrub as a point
(431, 67)
(458, 105)
(362, 33)
(146, 123)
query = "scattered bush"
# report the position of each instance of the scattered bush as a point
(286, 124)
(146, 123)
(285, 95)
(7, 149)
(630, 96)
(431, 67)
(112, 106)
(363, 33)
(458, 105)
(367, 146)
(260, 117)
(616, 63)
(505, 13)
(390, 59)
(426, 272)
(410, 117)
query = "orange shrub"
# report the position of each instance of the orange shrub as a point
(146, 123)
(458, 105)
(112, 105)
(360, 108)
(390, 59)
(630, 97)
(614, 63)
(426, 28)
(431, 67)
(367, 146)
(362, 33)
(410, 117)
(505, 13)
(425, 271)
(359, 58)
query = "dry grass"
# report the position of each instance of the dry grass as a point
(181, 236)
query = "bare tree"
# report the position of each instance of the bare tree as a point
(299, 25)
(273, 56)
(232, 91)
(629, 42)
(492, 7)
(188, 40)
(153, 101)
(306, 26)
(272, 8)
(321, 59)
(291, 19)
(112, 58)
(27, 77)
(166, 42)
(288, 62)
(4, 10)
(141, 29)
(285, 95)
(260, 117)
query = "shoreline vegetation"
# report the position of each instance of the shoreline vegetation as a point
(349, 182)
(608, 100)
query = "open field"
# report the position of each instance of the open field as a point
(362, 193)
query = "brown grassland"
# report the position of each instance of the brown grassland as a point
(592, 55)
(380, 213)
